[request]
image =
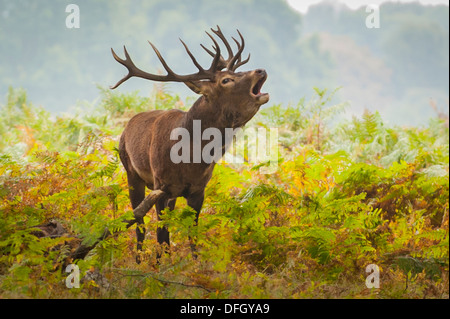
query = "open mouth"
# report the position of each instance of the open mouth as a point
(256, 90)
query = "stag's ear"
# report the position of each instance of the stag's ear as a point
(200, 87)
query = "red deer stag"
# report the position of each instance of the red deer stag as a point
(229, 99)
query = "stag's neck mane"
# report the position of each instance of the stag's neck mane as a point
(210, 115)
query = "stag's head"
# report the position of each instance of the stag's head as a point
(225, 90)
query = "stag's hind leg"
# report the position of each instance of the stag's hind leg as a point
(136, 189)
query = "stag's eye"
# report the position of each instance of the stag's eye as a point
(226, 80)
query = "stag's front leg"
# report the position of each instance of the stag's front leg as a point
(162, 233)
(196, 202)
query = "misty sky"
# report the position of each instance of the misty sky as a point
(302, 5)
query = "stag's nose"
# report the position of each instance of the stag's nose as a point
(262, 72)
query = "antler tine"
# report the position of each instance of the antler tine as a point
(207, 50)
(222, 63)
(219, 33)
(217, 57)
(230, 65)
(241, 63)
(163, 62)
(199, 67)
(128, 63)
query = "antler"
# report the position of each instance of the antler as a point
(218, 63)
(229, 63)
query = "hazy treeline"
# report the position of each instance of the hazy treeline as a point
(396, 68)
